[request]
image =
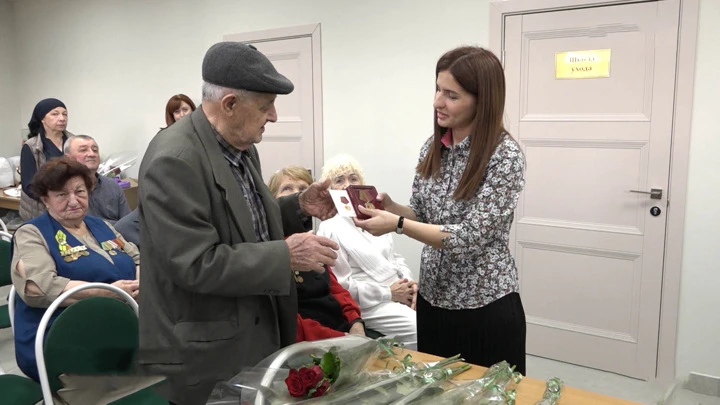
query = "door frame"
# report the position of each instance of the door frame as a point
(679, 155)
(300, 31)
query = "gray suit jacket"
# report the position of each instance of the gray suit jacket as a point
(212, 300)
(129, 227)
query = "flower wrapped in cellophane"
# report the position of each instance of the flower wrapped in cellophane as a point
(349, 369)
(490, 389)
(552, 392)
(399, 379)
(117, 163)
(299, 373)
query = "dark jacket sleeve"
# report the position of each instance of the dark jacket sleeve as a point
(129, 227)
(123, 207)
(28, 168)
(293, 219)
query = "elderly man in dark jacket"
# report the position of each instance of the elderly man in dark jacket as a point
(217, 290)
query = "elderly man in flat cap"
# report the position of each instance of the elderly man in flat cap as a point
(218, 292)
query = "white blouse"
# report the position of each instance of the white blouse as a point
(365, 290)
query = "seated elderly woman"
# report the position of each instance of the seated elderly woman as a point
(367, 266)
(325, 308)
(61, 249)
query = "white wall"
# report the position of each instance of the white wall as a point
(699, 328)
(115, 64)
(9, 108)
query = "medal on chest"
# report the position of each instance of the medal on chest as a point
(69, 253)
(298, 277)
(112, 246)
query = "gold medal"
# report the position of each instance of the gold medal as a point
(112, 253)
(68, 258)
(85, 253)
(298, 277)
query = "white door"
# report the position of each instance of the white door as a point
(291, 140)
(590, 99)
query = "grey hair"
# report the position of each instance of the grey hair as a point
(68, 142)
(214, 93)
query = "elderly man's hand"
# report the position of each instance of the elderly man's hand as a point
(310, 252)
(316, 201)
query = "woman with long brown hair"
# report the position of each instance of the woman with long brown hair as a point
(465, 191)
(177, 107)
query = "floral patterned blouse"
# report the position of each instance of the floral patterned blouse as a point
(475, 267)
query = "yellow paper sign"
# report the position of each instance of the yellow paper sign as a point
(582, 64)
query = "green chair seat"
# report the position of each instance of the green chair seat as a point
(4, 317)
(17, 390)
(94, 336)
(5, 278)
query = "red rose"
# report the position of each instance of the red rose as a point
(295, 385)
(321, 389)
(311, 376)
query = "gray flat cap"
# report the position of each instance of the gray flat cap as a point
(240, 66)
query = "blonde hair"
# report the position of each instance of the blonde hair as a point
(292, 172)
(342, 164)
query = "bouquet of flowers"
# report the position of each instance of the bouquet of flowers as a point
(299, 373)
(335, 371)
(314, 379)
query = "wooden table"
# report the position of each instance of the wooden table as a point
(530, 390)
(7, 202)
(13, 203)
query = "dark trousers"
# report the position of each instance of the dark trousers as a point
(482, 336)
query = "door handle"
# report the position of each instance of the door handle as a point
(655, 193)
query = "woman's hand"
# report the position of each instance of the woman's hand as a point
(379, 223)
(357, 329)
(131, 287)
(387, 202)
(402, 291)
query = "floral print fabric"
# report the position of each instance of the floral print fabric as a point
(475, 267)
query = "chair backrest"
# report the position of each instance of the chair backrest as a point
(11, 308)
(97, 335)
(3, 226)
(5, 246)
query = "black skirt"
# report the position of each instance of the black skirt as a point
(482, 336)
